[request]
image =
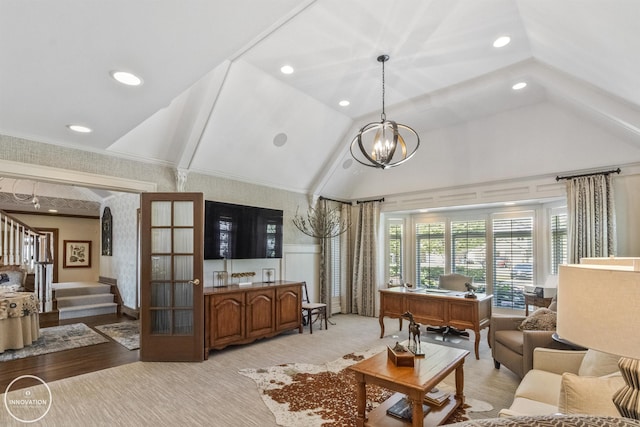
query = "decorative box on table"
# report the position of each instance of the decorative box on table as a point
(399, 357)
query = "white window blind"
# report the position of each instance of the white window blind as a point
(513, 243)
(394, 233)
(558, 240)
(336, 274)
(430, 253)
(469, 250)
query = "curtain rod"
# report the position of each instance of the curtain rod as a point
(558, 178)
(366, 201)
(334, 200)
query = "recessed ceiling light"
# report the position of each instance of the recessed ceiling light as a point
(280, 139)
(343, 103)
(518, 86)
(126, 78)
(502, 41)
(79, 128)
(286, 69)
(53, 210)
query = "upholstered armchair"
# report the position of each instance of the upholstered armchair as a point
(12, 277)
(512, 344)
(454, 282)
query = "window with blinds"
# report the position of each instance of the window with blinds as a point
(336, 274)
(558, 241)
(394, 233)
(513, 243)
(430, 253)
(469, 250)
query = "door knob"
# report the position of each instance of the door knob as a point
(195, 282)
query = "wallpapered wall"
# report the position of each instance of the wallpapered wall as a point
(122, 264)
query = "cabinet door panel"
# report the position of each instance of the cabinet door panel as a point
(288, 308)
(260, 313)
(228, 318)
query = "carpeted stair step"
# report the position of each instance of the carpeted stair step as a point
(78, 288)
(81, 300)
(87, 310)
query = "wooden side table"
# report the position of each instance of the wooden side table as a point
(536, 301)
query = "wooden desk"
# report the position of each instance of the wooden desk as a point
(437, 309)
(536, 301)
(414, 382)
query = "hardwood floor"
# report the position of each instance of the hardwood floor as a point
(69, 363)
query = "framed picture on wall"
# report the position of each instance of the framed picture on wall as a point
(77, 253)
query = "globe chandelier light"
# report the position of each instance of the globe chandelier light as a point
(380, 144)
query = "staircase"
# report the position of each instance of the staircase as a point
(83, 299)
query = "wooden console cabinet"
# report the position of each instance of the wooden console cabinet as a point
(241, 314)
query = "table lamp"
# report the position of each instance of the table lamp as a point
(598, 307)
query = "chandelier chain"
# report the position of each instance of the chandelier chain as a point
(383, 116)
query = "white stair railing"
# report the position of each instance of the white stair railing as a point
(24, 246)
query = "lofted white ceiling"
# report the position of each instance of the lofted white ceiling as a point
(214, 100)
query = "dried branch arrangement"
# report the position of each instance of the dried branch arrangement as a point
(321, 223)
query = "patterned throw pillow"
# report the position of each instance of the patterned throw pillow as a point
(542, 319)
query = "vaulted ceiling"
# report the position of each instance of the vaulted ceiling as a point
(214, 101)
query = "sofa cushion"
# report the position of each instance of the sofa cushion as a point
(589, 395)
(596, 364)
(522, 405)
(511, 339)
(540, 386)
(542, 319)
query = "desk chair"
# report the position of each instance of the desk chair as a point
(452, 282)
(311, 309)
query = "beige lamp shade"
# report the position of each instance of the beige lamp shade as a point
(599, 308)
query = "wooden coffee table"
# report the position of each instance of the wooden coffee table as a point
(414, 382)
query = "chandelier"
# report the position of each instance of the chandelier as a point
(28, 199)
(381, 144)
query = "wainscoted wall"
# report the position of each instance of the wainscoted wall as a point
(299, 263)
(122, 265)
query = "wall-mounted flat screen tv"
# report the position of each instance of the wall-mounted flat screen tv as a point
(241, 232)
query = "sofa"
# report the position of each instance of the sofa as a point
(568, 382)
(551, 421)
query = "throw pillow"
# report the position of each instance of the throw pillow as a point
(589, 395)
(596, 363)
(542, 319)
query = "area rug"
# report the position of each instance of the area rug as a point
(57, 338)
(308, 395)
(124, 333)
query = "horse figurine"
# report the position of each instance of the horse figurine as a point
(414, 333)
